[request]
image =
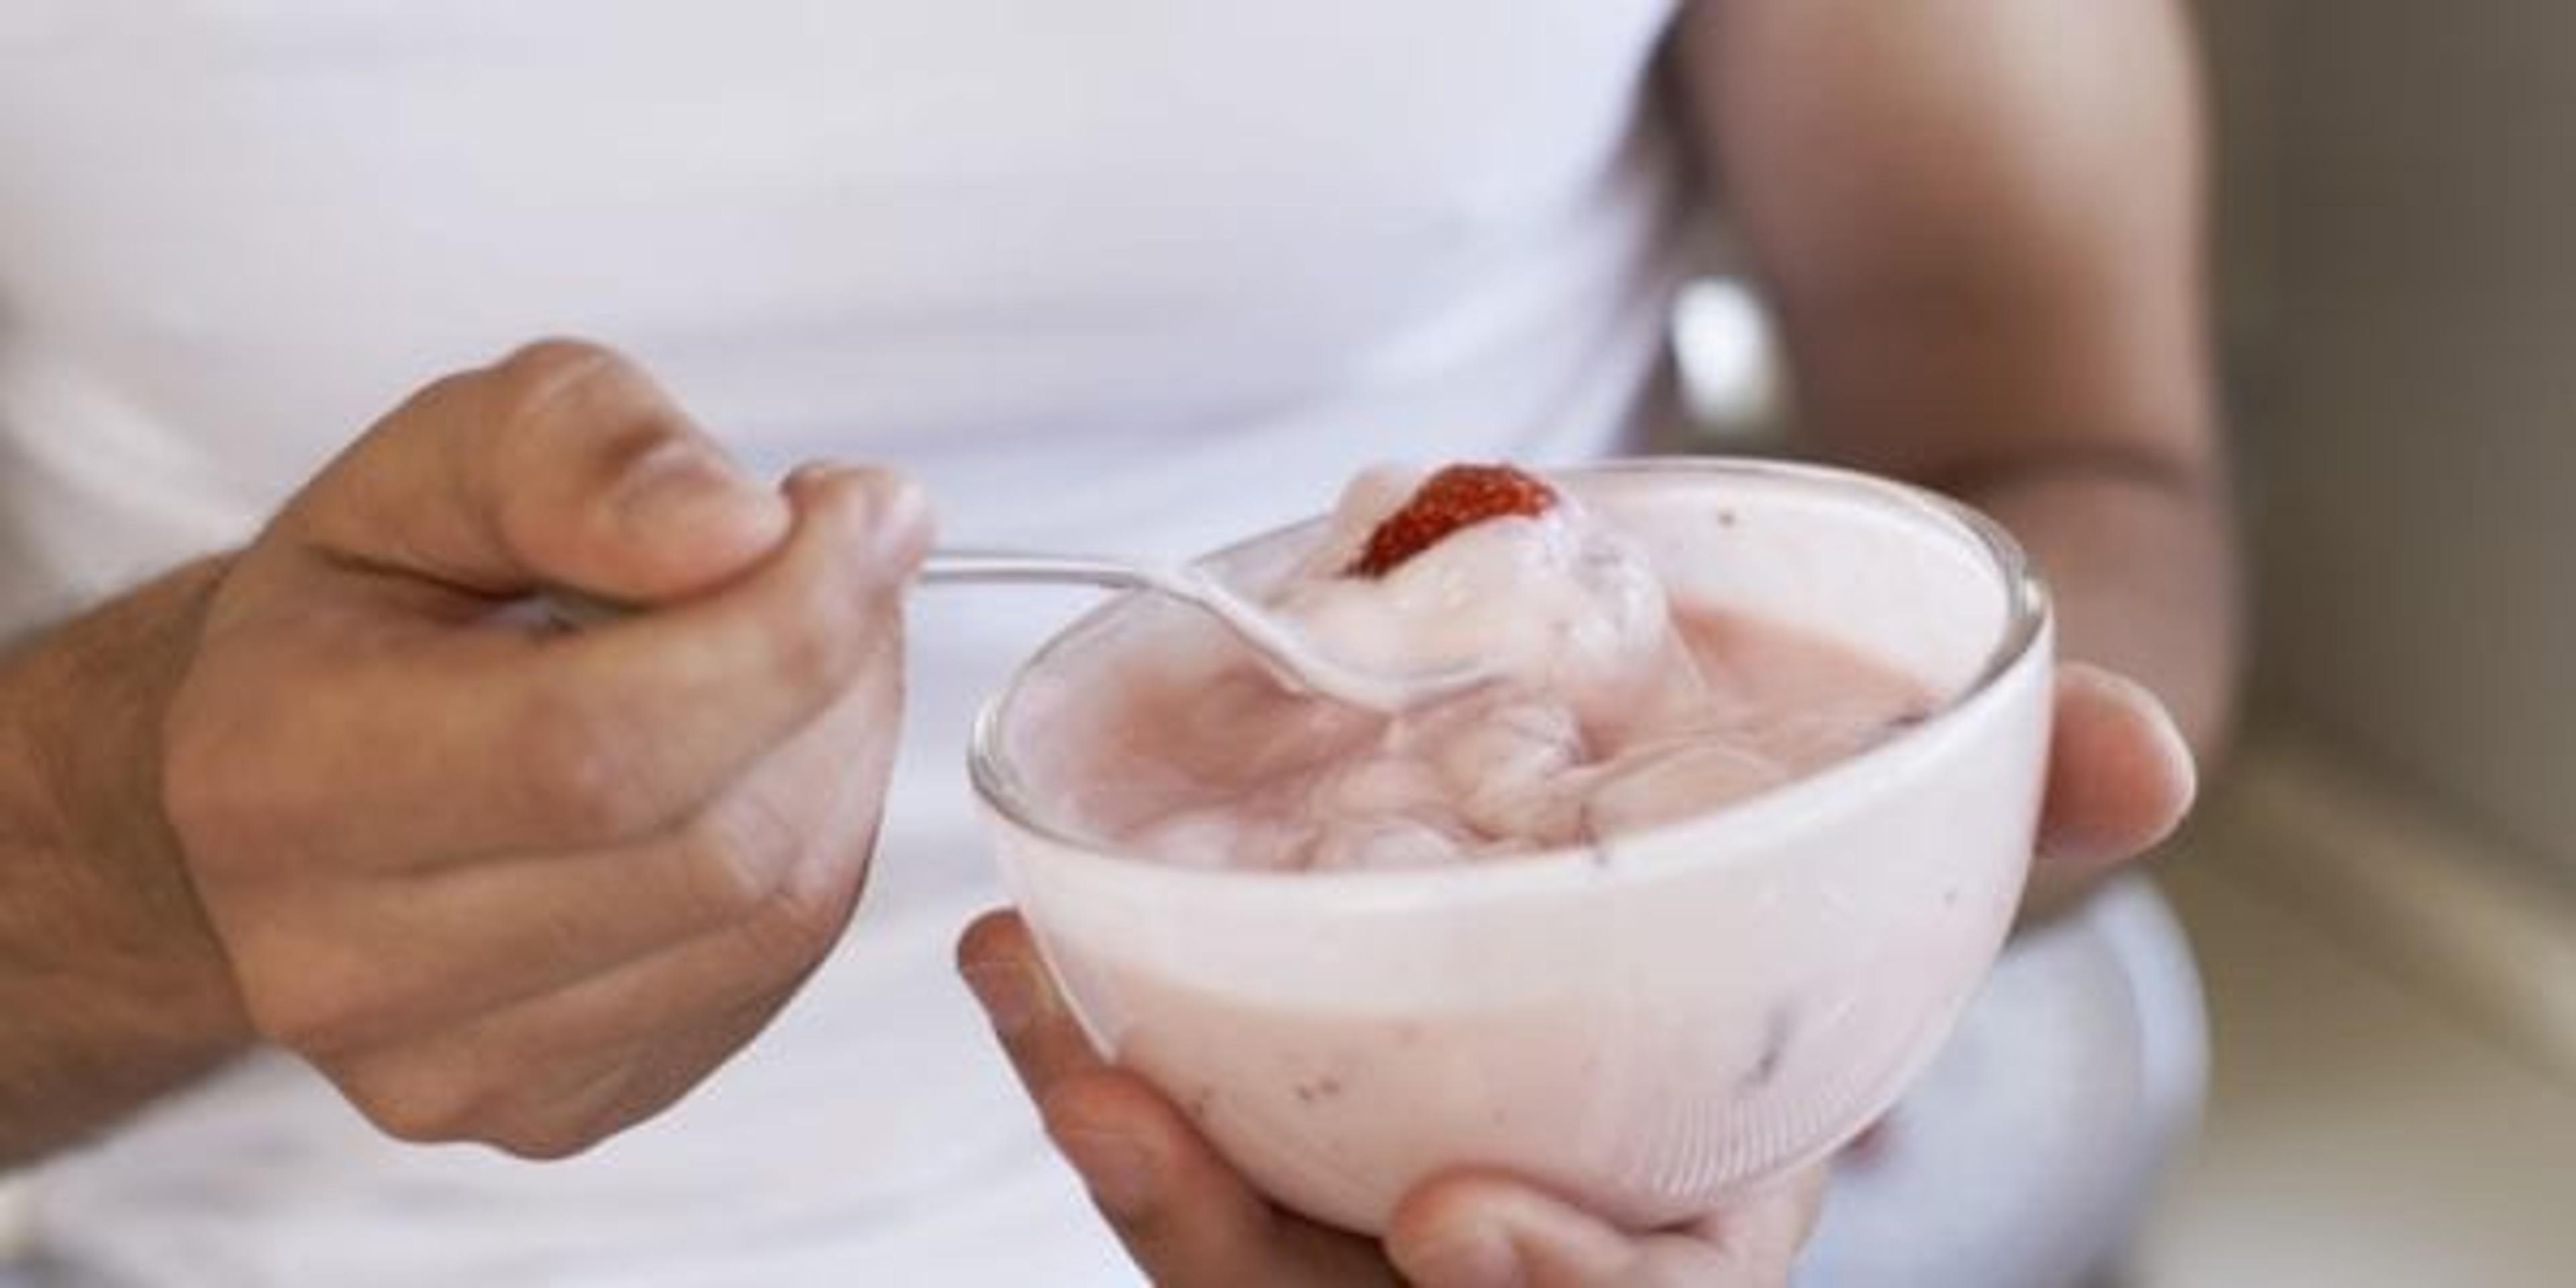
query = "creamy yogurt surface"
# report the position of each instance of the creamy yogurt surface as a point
(1614, 709)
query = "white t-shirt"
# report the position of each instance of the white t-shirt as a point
(1137, 274)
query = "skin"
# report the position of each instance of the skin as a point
(1979, 222)
(499, 882)
(1189, 1219)
(509, 885)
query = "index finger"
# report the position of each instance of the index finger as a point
(432, 745)
(1477, 1228)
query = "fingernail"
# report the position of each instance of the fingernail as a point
(1478, 1254)
(1118, 1171)
(1008, 991)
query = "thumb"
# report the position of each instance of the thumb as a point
(562, 465)
(2120, 775)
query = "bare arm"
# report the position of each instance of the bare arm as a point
(1980, 221)
(111, 987)
(498, 883)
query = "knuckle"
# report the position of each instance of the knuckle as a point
(583, 771)
(541, 396)
(563, 421)
(740, 857)
(804, 913)
(444, 1092)
(816, 647)
(546, 1138)
(537, 378)
(775, 893)
(423, 1100)
(807, 909)
(829, 640)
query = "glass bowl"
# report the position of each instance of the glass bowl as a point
(1650, 1024)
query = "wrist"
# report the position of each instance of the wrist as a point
(104, 911)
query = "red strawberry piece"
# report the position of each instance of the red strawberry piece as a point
(1458, 496)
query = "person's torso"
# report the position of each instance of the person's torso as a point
(1140, 230)
(1142, 274)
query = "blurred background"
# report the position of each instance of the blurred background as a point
(2382, 884)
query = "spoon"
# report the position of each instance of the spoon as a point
(1291, 655)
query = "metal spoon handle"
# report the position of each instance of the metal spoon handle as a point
(974, 566)
(1286, 652)
(1254, 624)
(948, 567)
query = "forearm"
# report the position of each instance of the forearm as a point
(1981, 223)
(2141, 567)
(112, 988)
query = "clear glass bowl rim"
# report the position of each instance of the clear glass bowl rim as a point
(2025, 629)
